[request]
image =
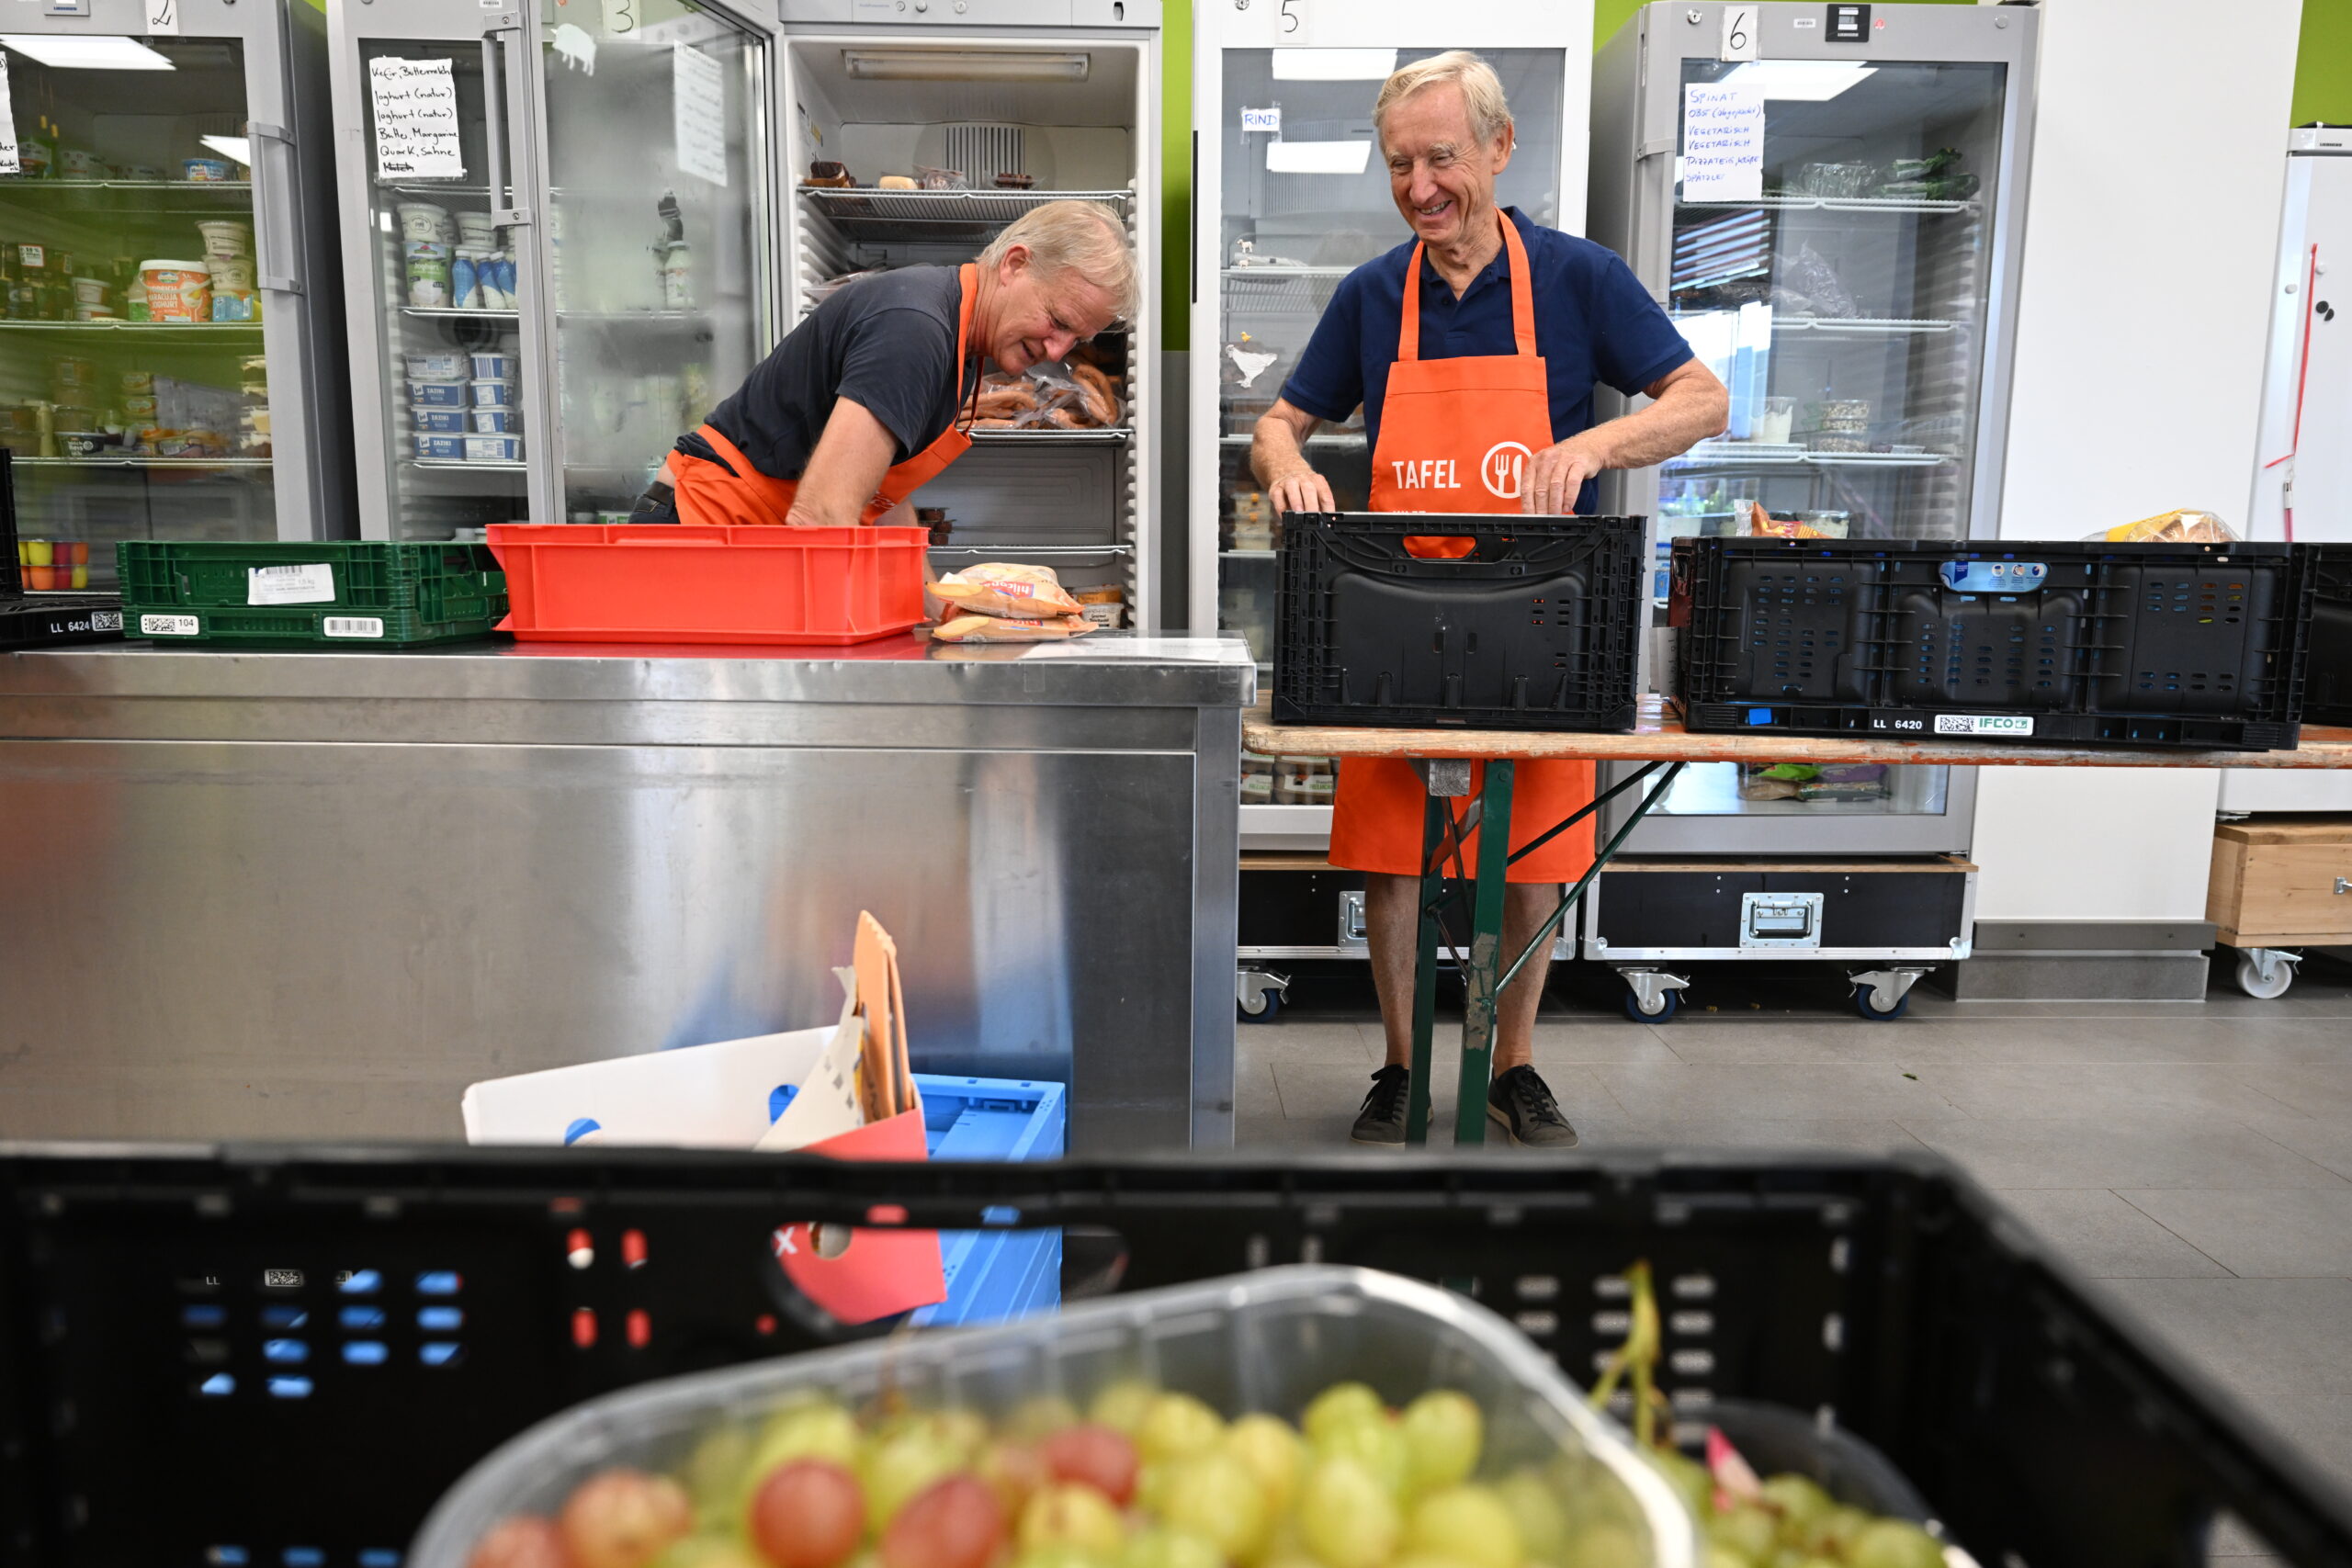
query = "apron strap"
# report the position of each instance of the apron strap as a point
(1523, 298)
(969, 279)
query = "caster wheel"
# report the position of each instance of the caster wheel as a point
(1872, 1011)
(1668, 1004)
(1270, 1004)
(2264, 987)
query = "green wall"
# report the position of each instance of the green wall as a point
(2323, 64)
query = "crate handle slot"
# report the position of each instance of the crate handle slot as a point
(674, 543)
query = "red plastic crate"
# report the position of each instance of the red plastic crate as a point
(671, 582)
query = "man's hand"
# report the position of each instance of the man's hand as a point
(1302, 489)
(1556, 476)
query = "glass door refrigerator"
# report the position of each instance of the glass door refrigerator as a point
(558, 245)
(1290, 194)
(915, 130)
(170, 344)
(1858, 298)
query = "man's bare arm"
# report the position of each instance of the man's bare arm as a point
(1688, 406)
(1278, 457)
(845, 470)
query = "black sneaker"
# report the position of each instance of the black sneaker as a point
(1381, 1120)
(1522, 1102)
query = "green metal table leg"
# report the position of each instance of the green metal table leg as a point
(1481, 974)
(1434, 812)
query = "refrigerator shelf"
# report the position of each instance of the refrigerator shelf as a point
(458, 466)
(143, 329)
(134, 461)
(1056, 552)
(427, 190)
(146, 197)
(1321, 438)
(1833, 204)
(1247, 555)
(1748, 454)
(1053, 435)
(915, 216)
(1858, 326)
(450, 312)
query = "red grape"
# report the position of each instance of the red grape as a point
(1098, 1456)
(807, 1514)
(523, 1542)
(955, 1523)
(623, 1518)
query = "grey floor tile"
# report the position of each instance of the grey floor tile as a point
(2106, 1237)
(1287, 1040)
(2161, 1152)
(2318, 1425)
(2301, 1234)
(2318, 1090)
(1653, 1093)
(1254, 1093)
(2266, 1339)
(2329, 1142)
(2117, 1092)
(1590, 1044)
(1750, 1136)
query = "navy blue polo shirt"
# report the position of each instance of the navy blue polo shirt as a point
(1594, 322)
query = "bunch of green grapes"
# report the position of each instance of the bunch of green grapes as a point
(1145, 1478)
(1792, 1523)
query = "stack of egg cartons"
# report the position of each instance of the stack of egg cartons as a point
(436, 404)
(496, 432)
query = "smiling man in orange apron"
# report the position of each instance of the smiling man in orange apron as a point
(871, 396)
(1473, 352)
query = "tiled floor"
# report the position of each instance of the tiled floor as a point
(2195, 1157)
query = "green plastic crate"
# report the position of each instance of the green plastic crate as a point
(385, 594)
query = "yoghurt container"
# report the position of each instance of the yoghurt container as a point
(476, 229)
(426, 221)
(139, 408)
(90, 291)
(440, 365)
(439, 421)
(428, 273)
(493, 422)
(465, 281)
(494, 394)
(442, 448)
(178, 290)
(234, 298)
(81, 163)
(437, 394)
(493, 366)
(147, 173)
(226, 238)
(494, 449)
(206, 171)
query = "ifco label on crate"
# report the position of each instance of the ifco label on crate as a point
(312, 584)
(1983, 724)
(353, 626)
(168, 626)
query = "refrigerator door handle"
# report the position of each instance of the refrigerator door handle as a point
(274, 220)
(504, 211)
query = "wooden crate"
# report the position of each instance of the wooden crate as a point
(2282, 882)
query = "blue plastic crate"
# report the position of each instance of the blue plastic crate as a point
(993, 1276)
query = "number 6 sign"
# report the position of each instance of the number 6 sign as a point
(1739, 33)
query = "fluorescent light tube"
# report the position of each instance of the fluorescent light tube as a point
(1811, 81)
(956, 65)
(236, 149)
(87, 51)
(1334, 65)
(1317, 157)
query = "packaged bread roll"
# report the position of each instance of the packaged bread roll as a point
(1005, 589)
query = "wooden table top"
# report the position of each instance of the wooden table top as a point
(1658, 738)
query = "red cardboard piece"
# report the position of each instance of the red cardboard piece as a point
(882, 1272)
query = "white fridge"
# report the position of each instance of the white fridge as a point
(558, 240)
(165, 153)
(993, 110)
(1289, 196)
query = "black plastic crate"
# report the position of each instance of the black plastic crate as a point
(2040, 1422)
(2327, 692)
(44, 620)
(2199, 646)
(1537, 628)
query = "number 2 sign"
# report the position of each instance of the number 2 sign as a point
(1739, 33)
(163, 18)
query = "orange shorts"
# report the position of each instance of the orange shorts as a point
(1377, 817)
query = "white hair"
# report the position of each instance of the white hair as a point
(1481, 91)
(1082, 237)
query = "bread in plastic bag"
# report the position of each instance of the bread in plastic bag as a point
(1005, 589)
(1000, 629)
(2184, 525)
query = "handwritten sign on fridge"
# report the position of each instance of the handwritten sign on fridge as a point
(1722, 142)
(416, 119)
(698, 99)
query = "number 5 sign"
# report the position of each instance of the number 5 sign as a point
(1739, 33)
(163, 18)
(1291, 23)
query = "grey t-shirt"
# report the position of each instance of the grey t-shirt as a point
(886, 342)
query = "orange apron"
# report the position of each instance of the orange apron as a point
(707, 493)
(1456, 435)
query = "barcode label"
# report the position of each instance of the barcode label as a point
(354, 625)
(1983, 724)
(168, 626)
(106, 620)
(311, 583)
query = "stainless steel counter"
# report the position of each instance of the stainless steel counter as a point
(316, 895)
